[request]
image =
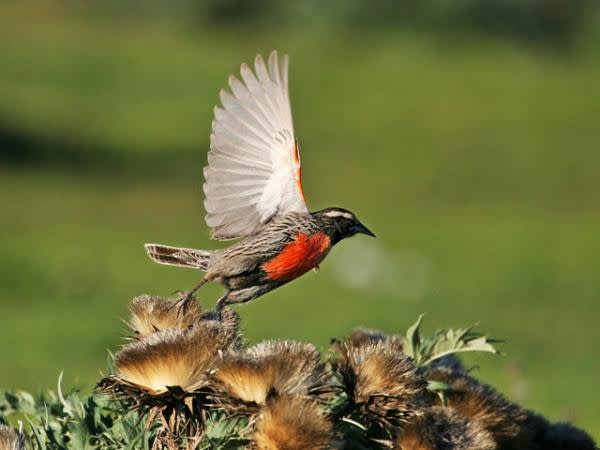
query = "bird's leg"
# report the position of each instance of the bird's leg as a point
(220, 304)
(238, 296)
(189, 296)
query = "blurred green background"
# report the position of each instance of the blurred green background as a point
(464, 133)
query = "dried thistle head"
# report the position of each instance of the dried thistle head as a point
(449, 362)
(509, 423)
(564, 436)
(365, 335)
(230, 320)
(174, 357)
(292, 422)
(150, 314)
(163, 374)
(442, 428)
(247, 378)
(381, 380)
(11, 438)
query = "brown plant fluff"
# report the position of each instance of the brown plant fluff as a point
(230, 320)
(440, 428)
(150, 314)
(174, 357)
(365, 335)
(162, 376)
(449, 362)
(11, 439)
(381, 380)
(292, 422)
(564, 436)
(512, 426)
(282, 367)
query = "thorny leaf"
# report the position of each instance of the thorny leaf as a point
(442, 343)
(412, 340)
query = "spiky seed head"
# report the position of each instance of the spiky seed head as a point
(283, 367)
(11, 439)
(163, 375)
(174, 357)
(150, 314)
(292, 422)
(449, 362)
(230, 320)
(564, 436)
(381, 379)
(508, 422)
(442, 428)
(361, 335)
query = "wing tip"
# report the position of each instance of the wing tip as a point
(233, 82)
(218, 112)
(244, 67)
(223, 95)
(259, 61)
(216, 235)
(273, 56)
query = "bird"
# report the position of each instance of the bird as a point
(253, 193)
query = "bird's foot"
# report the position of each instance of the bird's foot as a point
(179, 293)
(186, 299)
(219, 310)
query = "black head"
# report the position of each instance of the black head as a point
(340, 223)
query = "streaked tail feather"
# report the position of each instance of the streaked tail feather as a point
(176, 256)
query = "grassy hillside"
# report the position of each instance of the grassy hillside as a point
(475, 163)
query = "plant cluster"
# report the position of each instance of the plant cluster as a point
(187, 380)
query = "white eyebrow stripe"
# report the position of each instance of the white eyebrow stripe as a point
(347, 215)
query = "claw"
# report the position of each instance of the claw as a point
(189, 296)
(185, 303)
(179, 293)
(219, 310)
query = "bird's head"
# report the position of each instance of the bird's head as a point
(341, 223)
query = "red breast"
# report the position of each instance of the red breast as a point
(298, 257)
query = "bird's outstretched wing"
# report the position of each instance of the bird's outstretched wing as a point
(253, 171)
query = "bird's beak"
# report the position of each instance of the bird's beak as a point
(360, 228)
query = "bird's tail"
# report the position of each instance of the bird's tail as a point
(176, 256)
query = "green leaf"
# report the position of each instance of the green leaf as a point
(436, 386)
(456, 341)
(412, 341)
(442, 343)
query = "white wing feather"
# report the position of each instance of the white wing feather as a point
(253, 171)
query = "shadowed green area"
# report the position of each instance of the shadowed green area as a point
(475, 162)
